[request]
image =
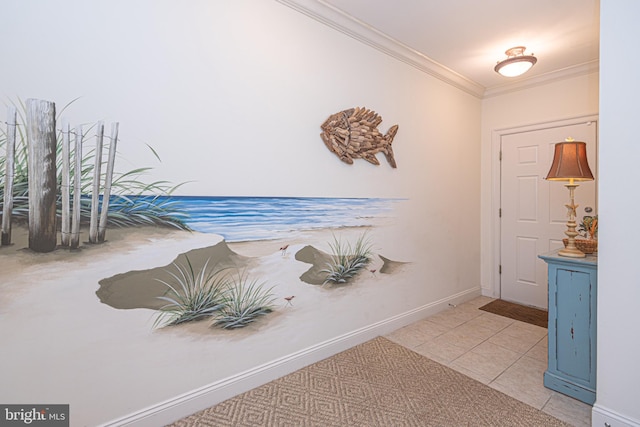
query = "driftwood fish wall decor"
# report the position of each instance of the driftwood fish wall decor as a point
(353, 134)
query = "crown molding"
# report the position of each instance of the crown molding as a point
(364, 33)
(543, 79)
(361, 31)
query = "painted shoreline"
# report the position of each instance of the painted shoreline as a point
(308, 247)
(17, 256)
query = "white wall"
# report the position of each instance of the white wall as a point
(618, 376)
(556, 101)
(232, 94)
(248, 83)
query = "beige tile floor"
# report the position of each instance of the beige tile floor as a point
(505, 354)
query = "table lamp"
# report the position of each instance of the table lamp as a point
(570, 164)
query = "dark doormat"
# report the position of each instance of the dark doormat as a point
(532, 315)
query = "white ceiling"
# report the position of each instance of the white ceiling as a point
(470, 36)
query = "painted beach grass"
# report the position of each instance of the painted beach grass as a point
(124, 210)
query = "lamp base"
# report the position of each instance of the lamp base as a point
(571, 250)
(572, 253)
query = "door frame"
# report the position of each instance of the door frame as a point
(496, 181)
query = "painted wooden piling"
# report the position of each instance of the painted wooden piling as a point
(77, 190)
(95, 196)
(102, 227)
(65, 227)
(41, 148)
(7, 206)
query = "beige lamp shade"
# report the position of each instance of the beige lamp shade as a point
(570, 162)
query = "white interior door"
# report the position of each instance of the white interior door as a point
(533, 212)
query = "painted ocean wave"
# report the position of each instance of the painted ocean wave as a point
(262, 218)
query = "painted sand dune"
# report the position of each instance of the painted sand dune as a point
(141, 288)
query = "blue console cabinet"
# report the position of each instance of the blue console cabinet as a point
(572, 326)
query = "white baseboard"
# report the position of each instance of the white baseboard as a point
(603, 417)
(196, 400)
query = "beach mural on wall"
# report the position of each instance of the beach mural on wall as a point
(214, 283)
(216, 277)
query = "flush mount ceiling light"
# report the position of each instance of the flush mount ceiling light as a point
(517, 62)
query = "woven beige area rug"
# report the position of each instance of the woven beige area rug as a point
(377, 383)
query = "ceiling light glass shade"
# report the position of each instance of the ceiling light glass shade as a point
(517, 62)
